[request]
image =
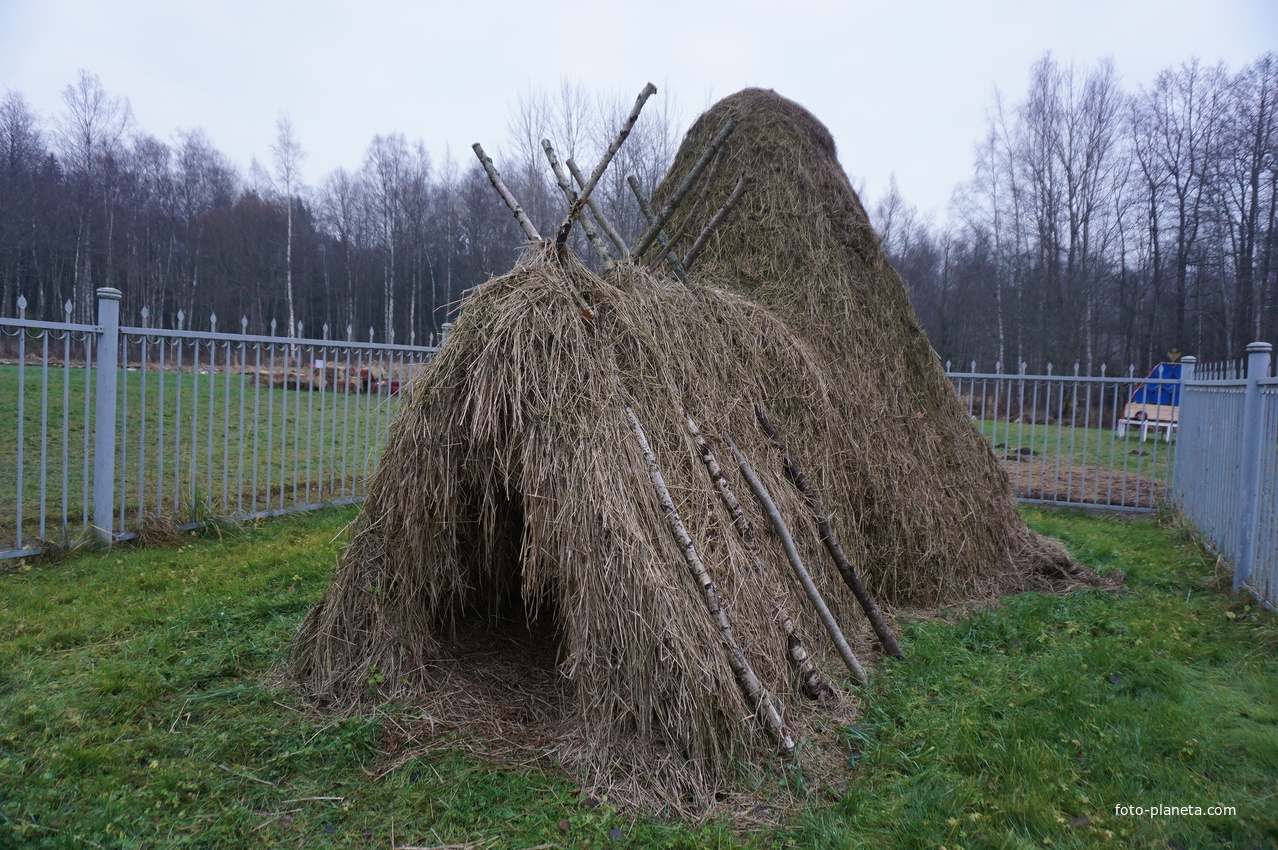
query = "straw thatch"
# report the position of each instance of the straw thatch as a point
(515, 509)
(913, 485)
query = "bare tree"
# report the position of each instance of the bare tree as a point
(288, 154)
(384, 174)
(89, 134)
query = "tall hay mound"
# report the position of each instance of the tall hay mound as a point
(512, 571)
(913, 486)
(513, 517)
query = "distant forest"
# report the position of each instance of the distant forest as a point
(1101, 225)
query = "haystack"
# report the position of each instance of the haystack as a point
(914, 488)
(583, 541)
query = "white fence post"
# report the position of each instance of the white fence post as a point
(104, 414)
(1258, 355)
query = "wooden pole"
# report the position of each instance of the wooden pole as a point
(697, 204)
(810, 682)
(495, 179)
(787, 543)
(704, 237)
(645, 240)
(749, 683)
(604, 223)
(850, 576)
(571, 197)
(661, 234)
(648, 91)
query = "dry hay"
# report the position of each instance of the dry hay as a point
(513, 503)
(913, 486)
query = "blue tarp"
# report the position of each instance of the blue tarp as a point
(1153, 391)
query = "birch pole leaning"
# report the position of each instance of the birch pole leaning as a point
(571, 197)
(604, 223)
(646, 238)
(648, 91)
(787, 542)
(747, 680)
(810, 682)
(495, 179)
(697, 204)
(849, 573)
(703, 238)
(646, 209)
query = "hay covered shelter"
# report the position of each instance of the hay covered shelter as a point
(582, 537)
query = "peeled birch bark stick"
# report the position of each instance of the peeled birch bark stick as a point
(648, 91)
(810, 682)
(850, 576)
(571, 197)
(495, 179)
(749, 683)
(646, 238)
(787, 543)
(704, 237)
(604, 223)
(661, 234)
(697, 204)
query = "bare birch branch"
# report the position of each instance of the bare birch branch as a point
(646, 209)
(704, 237)
(648, 91)
(645, 240)
(810, 681)
(749, 683)
(617, 241)
(787, 543)
(571, 197)
(850, 576)
(495, 179)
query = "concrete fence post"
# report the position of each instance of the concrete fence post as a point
(1249, 457)
(104, 413)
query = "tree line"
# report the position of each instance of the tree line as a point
(388, 249)
(1100, 225)
(1106, 226)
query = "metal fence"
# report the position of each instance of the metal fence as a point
(1226, 481)
(1064, 439)
(113, 431)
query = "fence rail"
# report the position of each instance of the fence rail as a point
(113, 430)
(1063, 439)
(185, 426)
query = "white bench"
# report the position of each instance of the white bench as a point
(1146, 425)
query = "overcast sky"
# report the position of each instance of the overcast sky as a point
(904, 86)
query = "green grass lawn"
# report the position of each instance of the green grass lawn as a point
(194, 447)
(140, 707)
(1062, 446)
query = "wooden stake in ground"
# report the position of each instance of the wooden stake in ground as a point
(749, 683)
(810, 682)
(787, 542)
(850, 577)
(495, 179)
